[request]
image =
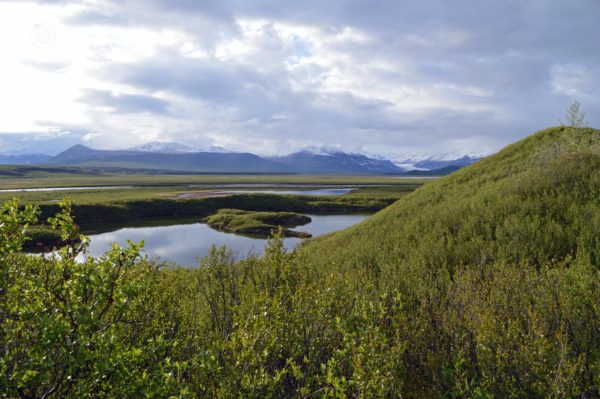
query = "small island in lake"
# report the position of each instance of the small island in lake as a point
(258, 223)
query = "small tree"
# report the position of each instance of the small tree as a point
(575, 118)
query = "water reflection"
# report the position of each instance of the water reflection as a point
(323, 191)
(44, 189)
(183, 243)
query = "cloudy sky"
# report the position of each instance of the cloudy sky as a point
(385, 77)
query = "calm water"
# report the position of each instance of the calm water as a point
(41, 189)
(275, 188)
(184, 242)
(321, 191)
(317, 192)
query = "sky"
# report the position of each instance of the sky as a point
(391, 78)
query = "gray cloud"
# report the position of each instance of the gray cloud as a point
(207, 21)
(266, 103)
(386, 77)
(124, 103)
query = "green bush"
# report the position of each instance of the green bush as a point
(77, 328)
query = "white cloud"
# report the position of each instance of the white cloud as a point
(88, 136)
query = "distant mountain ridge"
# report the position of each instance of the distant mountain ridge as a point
(23, 159)
(334, 162)
(174, 147)
(173, 156)
(437, 163)
(207, 162)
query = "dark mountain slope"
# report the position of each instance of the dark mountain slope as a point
(496, 270)
(76, 154)
(23, 159)
(157, 158)
(190, 161)
(227, 162)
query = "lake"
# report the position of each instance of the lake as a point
(42, 189)
(280, 189)
(183, 243)
(318, 192)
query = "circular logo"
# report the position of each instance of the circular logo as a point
(42, 36)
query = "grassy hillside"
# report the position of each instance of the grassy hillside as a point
(481, 284)
(535, 184)
(132, 186)
(497, 268)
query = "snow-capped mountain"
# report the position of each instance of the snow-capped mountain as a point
(318, 150)
(436, 162)
(332, 161)
(162, 146)
(213, 159)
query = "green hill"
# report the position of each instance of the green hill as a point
(521, 204)
(497, 268)
(481, 284)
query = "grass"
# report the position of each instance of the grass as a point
(155, 198)
(260, 224)
(171, 186)
(12, 176)
(91, 216)
(485, 259)
(145, 197)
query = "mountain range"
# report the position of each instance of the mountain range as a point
(174, 147)
(23, 159)
(337, 162)
(171, 156)
(203, 162)
(433, 163)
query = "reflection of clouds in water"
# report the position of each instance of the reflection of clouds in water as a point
(179, 243)
(326, 224)
(319, 192)
(183, 244)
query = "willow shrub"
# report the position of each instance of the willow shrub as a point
(121, 326)
(75, 328)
